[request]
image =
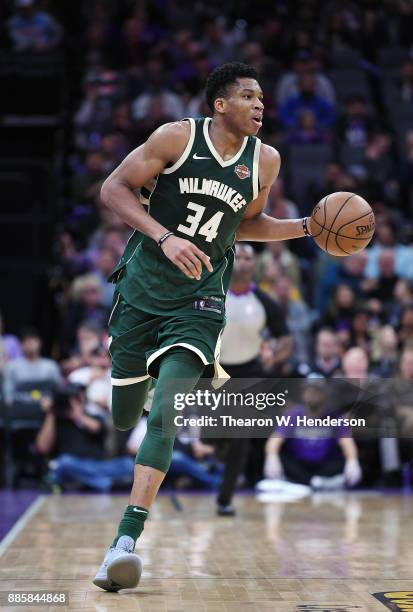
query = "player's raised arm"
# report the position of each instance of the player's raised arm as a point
(163, 147)
(256, 225)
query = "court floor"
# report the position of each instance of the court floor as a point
(325, 552)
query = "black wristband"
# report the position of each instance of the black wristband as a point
(164, 237)
(305, 228)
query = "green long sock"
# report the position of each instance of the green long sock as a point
(132, 523)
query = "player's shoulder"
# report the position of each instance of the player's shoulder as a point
(177, 130)
(170, 140)
(270, 161)
(269, 155)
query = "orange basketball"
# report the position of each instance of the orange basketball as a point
(342, 223)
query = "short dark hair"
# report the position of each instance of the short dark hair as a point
(222, 77)
(29, 332)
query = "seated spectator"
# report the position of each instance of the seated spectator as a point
(307, 131)
(348, 271)
(406, 173)
(405, 330)
(31, 369)
(381, 288)
(77, 439)
(379, 164)
(89, 351)
(325, 459)
(386, 238)
(278, 259)
(326, 359)
(278, 205)
(404, 82)
(385, 355)
(339, 313)
(355, 125)
(402, 296)
(90, 174)
(288, 85)
(33, 30)
(297, 316)
(157, 103)
(104, 262)
(360, 330)
(10, 347)
(307, 100)
(85, 304)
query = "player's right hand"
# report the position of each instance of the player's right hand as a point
(186, 256)
(273, 467)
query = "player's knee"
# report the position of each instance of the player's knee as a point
(127, 404)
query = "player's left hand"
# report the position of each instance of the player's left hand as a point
(352, 472)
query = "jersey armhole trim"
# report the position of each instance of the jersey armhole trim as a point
(186, 152)
(256, 169)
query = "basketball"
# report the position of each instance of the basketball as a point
(342, 223)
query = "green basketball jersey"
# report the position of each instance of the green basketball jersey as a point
(201, 198)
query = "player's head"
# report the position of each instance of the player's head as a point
(233, 92)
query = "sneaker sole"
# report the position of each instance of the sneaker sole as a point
(105, 584)
(125, 572)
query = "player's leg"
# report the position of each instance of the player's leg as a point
(128, 402)
(179, 371)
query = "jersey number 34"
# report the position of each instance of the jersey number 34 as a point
(209, 229)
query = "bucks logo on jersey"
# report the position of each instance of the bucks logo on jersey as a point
(202, 198)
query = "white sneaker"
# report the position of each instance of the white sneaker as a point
(121, 567)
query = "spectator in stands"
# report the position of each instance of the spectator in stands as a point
(385, 353)
(275, 260)
(32, 30)
(278, 205)
(90, 174)
(405, 82)
(381, 288)
(297, 316)
(402, 296)
(326, 360)
(348, 271)
(85, 305)
(77, 438)
(355, 125)
(10, 347)
(102, 91)
(307, 131)
(30, 369)
(307, 100)
(386, 238)
(339, 313)
(379, 163)
(104, 262)
(328, 459)
(406, 173)
(405, 331)
(89, 351)
(288, 85)
(157, 103)
(360, 330)
(218, 42)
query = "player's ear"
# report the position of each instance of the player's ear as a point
(220, 105)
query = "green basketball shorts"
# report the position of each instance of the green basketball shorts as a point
(138, 339)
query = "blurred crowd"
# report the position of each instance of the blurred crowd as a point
(338, 92)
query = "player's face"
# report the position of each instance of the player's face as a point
(244, 107)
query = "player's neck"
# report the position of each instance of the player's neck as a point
(226, 141)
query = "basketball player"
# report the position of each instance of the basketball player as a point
(212, 181)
